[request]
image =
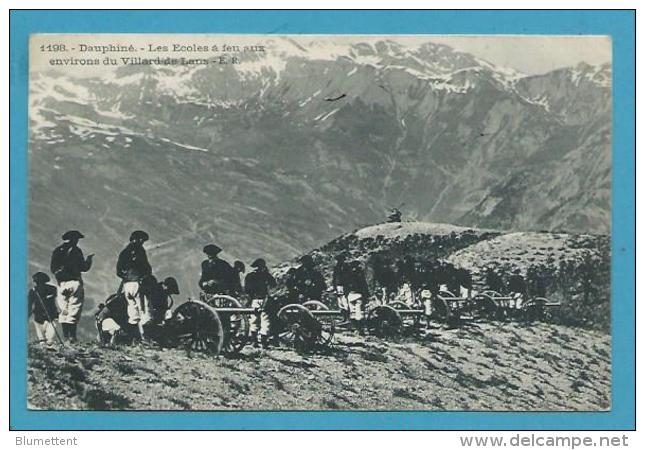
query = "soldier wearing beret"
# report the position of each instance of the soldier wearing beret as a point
(67, 265)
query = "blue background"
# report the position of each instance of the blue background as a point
(620, 25)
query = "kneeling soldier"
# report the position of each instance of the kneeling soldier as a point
(257, 285)
(159, 295)
(112, 321)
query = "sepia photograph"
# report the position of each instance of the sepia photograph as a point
(294, 222)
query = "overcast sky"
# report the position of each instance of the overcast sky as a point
(533, 54)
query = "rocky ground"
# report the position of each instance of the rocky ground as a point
(481, 366)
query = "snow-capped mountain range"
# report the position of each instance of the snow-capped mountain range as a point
(292, 147)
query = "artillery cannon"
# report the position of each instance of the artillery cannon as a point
(220, 324)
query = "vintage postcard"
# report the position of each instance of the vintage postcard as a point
(319, 222)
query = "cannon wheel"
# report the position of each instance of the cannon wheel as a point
(492, 293)
(315, 305)
(486, 306)
(412, 319)
(328, 322)
(198, 327)
(534, 309)
(301, 330)
(236, 326)
(440, 309)
(385, 321)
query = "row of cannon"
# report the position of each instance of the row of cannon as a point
(217, 324)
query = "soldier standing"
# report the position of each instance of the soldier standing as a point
(216, 273)
(133, 267)
(257, 285)
(67, 264)
(236, 279)
(405, 271)
(42, 305)
(380, 277)
(355, 285)
(494, 280)
(339, 274)
(517, 287)
(308, 281)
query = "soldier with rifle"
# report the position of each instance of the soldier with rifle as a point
(42, 306)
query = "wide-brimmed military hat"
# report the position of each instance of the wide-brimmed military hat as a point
(211, 249)
(139, 235)
(40, 277)
(171, 285)
(260, 262)
(72, 234)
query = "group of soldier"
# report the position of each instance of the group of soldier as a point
(141, 302)
(141, 299)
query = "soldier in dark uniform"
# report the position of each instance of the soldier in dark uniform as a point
(112, 322)
(536, 281)
(308, 281)
(290, 283)
(381, 277)
(67, 265)
(160, 301)
(355, 285)
(133, 267)
(517, 287)
(257, 286)
(338, 276)
(216, 273)
(494, 280)
(465, 280)
(42, 305)
(452, 279)
(236, 280)
(160, 295)
(405, 272)
(394, 215)
(420, 277)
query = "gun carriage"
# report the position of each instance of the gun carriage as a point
(220, 324)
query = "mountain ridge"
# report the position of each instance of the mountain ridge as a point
(257, 160)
